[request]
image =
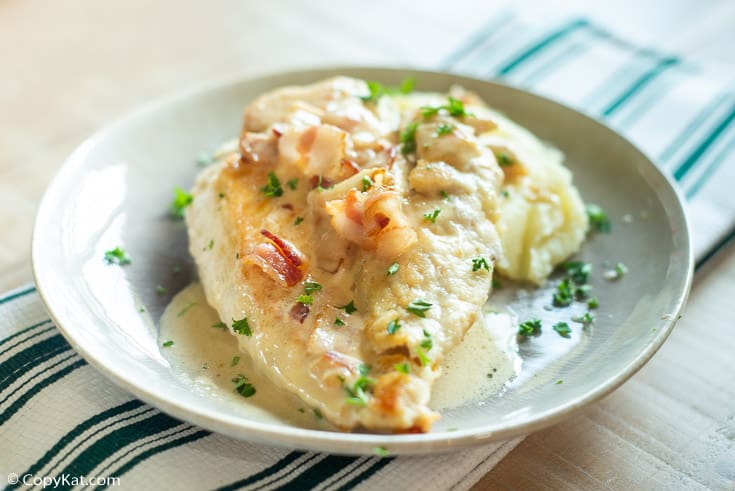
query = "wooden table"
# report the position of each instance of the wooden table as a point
(70, 66)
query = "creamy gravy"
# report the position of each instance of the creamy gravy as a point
(205, 356)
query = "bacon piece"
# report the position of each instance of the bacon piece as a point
(299, 312)
(278, 259)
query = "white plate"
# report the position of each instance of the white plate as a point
(116, 187)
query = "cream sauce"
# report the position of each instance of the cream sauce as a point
(204, 356)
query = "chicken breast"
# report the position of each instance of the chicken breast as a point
(349, 245)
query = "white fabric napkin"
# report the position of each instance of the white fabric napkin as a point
(60, 419)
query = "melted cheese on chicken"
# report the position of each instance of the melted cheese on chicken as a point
(354, 263)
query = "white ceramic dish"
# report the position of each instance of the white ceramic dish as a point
(116, 187)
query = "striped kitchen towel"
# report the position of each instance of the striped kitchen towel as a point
(62, 421)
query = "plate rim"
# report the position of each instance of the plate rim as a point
(332, 441)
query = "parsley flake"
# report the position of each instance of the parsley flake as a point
(292, 183)
(356, 394)
(444, 129)
(235, 361)
(219, 325)
(242, 326)
(586, 320)
(427, 343)
(504, 159)
(394, 326)
(425, 360)
(305, 299)
(311, 287)
(168, 344)
(117, 256)
(402, 367)
(161, 290)
(563, 329)
(367, 183)
(380, 451)
(530, 328)
(431, 216)
(393, 269)
(598, 218)
(408, 138)
(273, 186)
(349, 308)
(298, 220)
(186, 309)
(181, 200)
(578, 271)
(418, 307)
(454, 107)
(479, 263)
(317, 413)
(592, 303)
(339, 322)
(563, 295)
(243, 386)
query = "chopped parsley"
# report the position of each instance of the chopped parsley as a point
(586, 320)
(564, 293)
(444, 194)
(339, 322)
(349, 308)
(168, 344)
(305, 299)
(317, 413)
(394, 326)
(592, 303)
(454, 107)
(530, 328)
(117, 256)
(211, 244)
(408, 138)
(235, 361)
(221, 195)
(380, 451)
(425, 360)
(242, 326)
(219, 325)
(311, 287)
(616, 273)
(161, 290)
(301, 410)
(559, 382)
(272, 187)
(356, 394)
(497, 284)
(479, 263)
(504, 159)
(431, 216)
(181, 200)
(444, 129)
(367, 183)
(243, 386)
(418, 307)
(298, 220)
(393, 269)
(427, 343)
(598, 218)
(292, 183)
(563, 329)
(578, 271)
(402, 367)
(186, 309)
(377, 90)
